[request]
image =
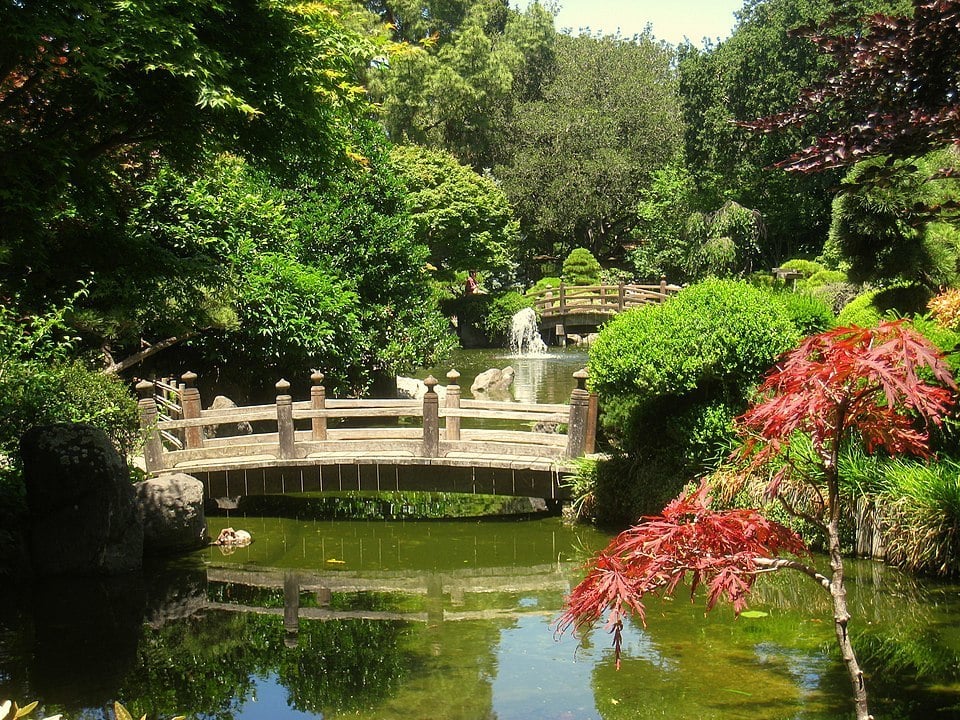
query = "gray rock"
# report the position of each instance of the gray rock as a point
(494, 383)
(414, 389)
(83, 519)
(171, 509)
(222, 402)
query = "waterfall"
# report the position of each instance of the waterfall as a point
(525, 335)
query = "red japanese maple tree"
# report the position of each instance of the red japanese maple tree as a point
(896, 89)
(880, 386)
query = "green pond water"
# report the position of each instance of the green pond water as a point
(453, 619)
(429, 620)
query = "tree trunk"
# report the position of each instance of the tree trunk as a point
(838, 592)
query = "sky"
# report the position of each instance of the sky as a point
(672, 20)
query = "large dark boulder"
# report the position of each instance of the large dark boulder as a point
(83, 518)
(171, 510)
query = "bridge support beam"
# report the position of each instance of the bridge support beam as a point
(452, 424)
(190, 400)
(318, 401)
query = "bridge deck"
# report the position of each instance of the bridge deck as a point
(374, 444)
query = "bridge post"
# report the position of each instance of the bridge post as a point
(285, 420)
(579, 417)
(452, 424)
(663, 288)
(621, 296)
(318, 401)
(190, 401)
(431, 419)
(152, 447)
(563, 298)
(590, 445)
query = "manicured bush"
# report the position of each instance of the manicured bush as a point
(869, 308)
(717, 333)
(807, 267)
(581, 268)
(810, 314)
(671, 378)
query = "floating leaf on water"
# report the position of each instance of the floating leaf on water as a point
(753, 614)
(738, 692)
(334, 561)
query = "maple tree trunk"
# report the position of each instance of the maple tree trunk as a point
(838, 592)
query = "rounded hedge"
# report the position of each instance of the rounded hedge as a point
(723, 332)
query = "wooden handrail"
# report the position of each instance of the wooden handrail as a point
(284, 441)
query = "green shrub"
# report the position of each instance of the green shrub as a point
(718, 332)
(671, 378)
(581, 268)
(500, 311)
(546, 283)
(861, 311)
(810, 314)
(821, 278)
(871, 307)
(807, 267)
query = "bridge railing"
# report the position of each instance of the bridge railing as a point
(602, 299)
(357, 428)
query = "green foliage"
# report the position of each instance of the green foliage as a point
(453, 90)
(872, 306)
(760, 70)
(809, 314)
(861, 311)
(462, 217)
(40, 385)
(725, 243)
(576, 155)
(718, 332)
(545, 283)
(890, 229)
(581, 268)
(141, 85)
(807, 267)
(490, 314)
(662, 211)
(671, 377)
(500, 311)
(946, 340)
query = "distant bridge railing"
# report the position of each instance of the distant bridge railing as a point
(312, 429)
(566, 300)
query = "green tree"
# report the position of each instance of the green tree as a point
(900, 229)
(758, 71)
(462, 217)
(581, 268)
(92, 93)
(662, 212)
(453, 90)
(725, 243)
(576, 158)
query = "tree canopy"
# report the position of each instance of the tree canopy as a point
(895, 90)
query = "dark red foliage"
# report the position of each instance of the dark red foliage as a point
(896, 90)
(885, 384)
(689, 540)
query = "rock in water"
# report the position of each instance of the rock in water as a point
(494, 383)
(83, 518)
(171, 509)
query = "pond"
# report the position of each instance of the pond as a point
(376, 620)
(430, 620)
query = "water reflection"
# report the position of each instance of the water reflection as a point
(453, 620)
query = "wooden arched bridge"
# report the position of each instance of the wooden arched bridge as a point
(326, 444)
(579, 308)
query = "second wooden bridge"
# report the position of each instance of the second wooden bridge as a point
(327, 444)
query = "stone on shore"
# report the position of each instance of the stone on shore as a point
(171, 509)
(83, 518)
